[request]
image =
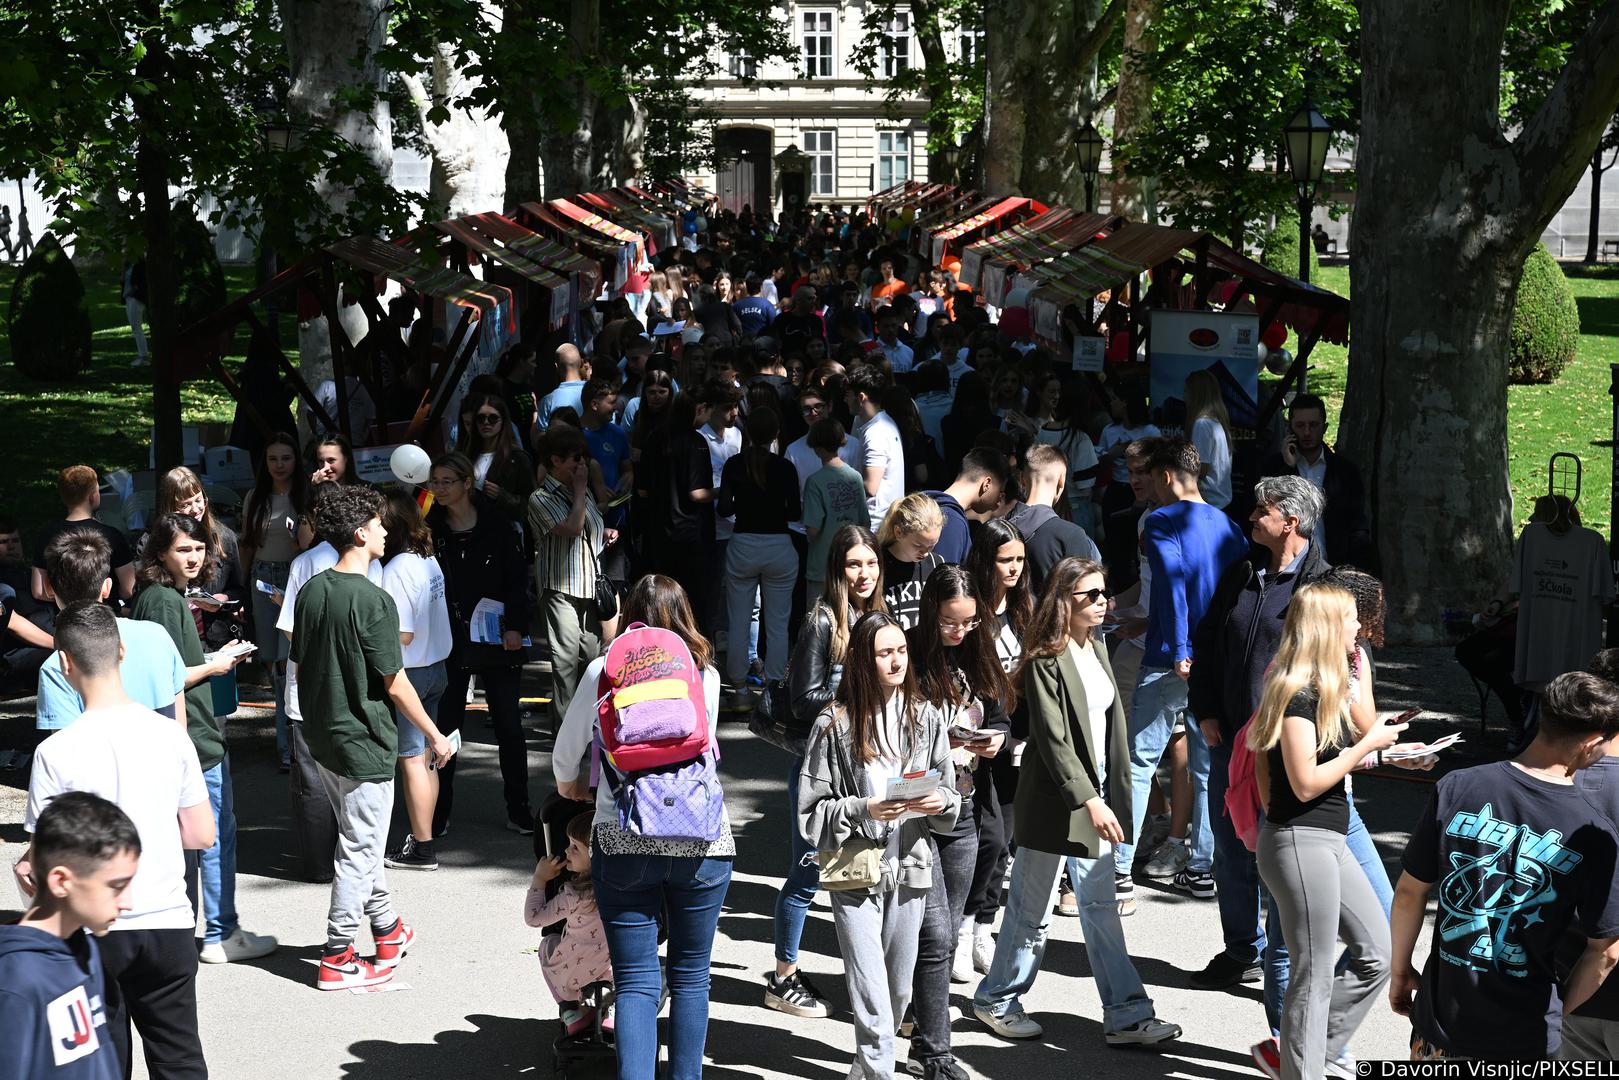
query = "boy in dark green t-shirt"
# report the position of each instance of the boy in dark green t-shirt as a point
(346, 644)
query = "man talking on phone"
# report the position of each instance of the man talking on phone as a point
(1343, 530)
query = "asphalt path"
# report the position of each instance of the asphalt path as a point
(469, 999)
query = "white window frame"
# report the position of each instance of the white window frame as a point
(891, 156)
(969, 44)
(742, 66)
(897, 36)
(820, 146)
(817, 42)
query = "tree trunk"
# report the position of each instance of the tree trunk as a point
(331, 49)
(1063, 92)
(1593, 236)
(1132, 105)
(568, 156)
(936, 72)
(1008, 38)
(152, 165)
(469, 149)
(1447, 210)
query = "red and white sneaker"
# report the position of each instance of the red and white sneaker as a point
(347, 969)
(1268, 1056)
(393, 944)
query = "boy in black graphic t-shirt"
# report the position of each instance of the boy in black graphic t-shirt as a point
(1518, 855)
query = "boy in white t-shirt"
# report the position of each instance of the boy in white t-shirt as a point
(145, 763)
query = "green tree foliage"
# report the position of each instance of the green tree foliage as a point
(48, 320)
(1280, 248)
(1545, 322)
(950, 81)
(1230, 74)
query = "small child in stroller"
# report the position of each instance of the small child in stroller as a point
(573, 949)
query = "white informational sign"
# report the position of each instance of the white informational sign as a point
(1182, 342)
(371, 462)
(1089, 353)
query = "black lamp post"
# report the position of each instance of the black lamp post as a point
(1089, 142)
(1307, 136)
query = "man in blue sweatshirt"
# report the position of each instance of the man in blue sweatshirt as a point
(1189, 545)
(53, 1018)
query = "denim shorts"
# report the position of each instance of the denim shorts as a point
(429, 683)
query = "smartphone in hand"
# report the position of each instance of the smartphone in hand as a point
(1404, 718)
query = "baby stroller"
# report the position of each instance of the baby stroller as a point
(593, 1044)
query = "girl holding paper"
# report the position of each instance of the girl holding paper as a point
(958, 673)
(877, 735)
(1078, 760)
(481, 556)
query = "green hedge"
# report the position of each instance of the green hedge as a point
(1545, 322)
(48, 321)
(1280, 250)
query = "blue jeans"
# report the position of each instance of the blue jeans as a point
(1364, 851)
(218, 863)
(1022, 942)
(803, 878)
(1160, 698)
(273, 644)
(632, 893)
(429, 683)
(1236, 873)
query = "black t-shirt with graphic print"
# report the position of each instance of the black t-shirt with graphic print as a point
(1516, 860)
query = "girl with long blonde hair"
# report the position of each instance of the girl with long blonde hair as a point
(1306, 744)
(1208, 427)
(906, 539)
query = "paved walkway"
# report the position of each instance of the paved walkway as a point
(476, 1004)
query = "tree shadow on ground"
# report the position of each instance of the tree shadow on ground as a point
(499, 1046)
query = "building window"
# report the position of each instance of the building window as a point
(743, 66)
(820, 148)
(897, 44)
(970, 45)
(817, 44)
(893, 158)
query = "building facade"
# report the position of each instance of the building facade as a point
(853, 140)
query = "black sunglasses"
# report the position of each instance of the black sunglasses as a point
(1091, 596)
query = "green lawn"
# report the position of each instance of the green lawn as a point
(1573, 415)
(103, 419)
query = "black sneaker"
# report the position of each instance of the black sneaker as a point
(944, 1068)
(411, 856)
(1124, 891)
(1226, 971)
(521, 824)
(1197, 883)
(794, 996)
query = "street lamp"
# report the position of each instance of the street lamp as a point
(1307, 137)
(1089, 142)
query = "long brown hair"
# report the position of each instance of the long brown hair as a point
(835, 591)
(505, 445)
(861, 692)
(762, 426)
(175, 487)
(160, 538)
(402, 519)
(975, 656)
(1048, 633)
(988, 539)
(258, 500)
(660, 601)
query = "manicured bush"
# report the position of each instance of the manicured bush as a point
(48, 320)
(1280, 250)
(1545, 322)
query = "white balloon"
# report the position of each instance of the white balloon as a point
(410, 464)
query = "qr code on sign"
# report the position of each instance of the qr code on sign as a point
(1245, 335)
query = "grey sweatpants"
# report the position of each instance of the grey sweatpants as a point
(878, 934)
(1585, 1038)
(1323, 896)
(363, 808)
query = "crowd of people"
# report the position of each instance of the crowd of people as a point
(1019, 647)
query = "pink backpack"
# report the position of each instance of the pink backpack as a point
(650, 702)
(1242, 803)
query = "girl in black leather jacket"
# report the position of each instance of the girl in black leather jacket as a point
(854, 587)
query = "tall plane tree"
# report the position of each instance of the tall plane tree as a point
(1451, 199)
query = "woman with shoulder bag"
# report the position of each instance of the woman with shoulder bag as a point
(854, 586)
(1073, 793)
(875, 855)
(640, 881)
(481, 556)
(959, 674)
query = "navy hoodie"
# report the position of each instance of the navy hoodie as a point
(53, 1023)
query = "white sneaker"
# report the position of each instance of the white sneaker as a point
(983, 950)
(1014, 1025)
(1145, 1033)
(239, 946)
(1168, 860)
(961, 965)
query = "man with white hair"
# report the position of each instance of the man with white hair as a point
(1236, 642)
